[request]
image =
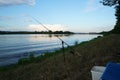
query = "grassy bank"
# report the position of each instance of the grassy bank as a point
(52, 66)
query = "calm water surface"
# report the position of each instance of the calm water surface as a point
(14, 47)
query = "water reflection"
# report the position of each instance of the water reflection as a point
(47, 37)
(14, 47)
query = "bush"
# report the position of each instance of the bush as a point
(23, 61)
(31, 57)
(76, 43)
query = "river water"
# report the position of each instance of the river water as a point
(14, 47)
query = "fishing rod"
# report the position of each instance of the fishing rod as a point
(63, 42)
(63, 48)
(40, 23)
(48, 29)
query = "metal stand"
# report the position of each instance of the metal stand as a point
(63, 50)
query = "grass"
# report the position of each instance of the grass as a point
(51, 66)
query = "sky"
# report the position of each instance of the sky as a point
(66, 15)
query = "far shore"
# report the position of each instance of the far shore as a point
(43, 32)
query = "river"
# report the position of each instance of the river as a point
(16, 46)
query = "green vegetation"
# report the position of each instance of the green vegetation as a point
(51, 66)
(40, 58)
(116, 4)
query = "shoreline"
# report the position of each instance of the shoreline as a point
(25, 60)
(96, 52)
(9, 58)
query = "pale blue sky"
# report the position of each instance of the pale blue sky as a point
(73, 15)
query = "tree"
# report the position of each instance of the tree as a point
(116, 4)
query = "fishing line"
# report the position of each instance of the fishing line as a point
(73, 51)
(63, 42)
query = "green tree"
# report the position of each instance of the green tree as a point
(116, 4)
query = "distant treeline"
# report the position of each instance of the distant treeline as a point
(36, 32)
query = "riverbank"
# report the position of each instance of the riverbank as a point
(35, 32)
(97, 52)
